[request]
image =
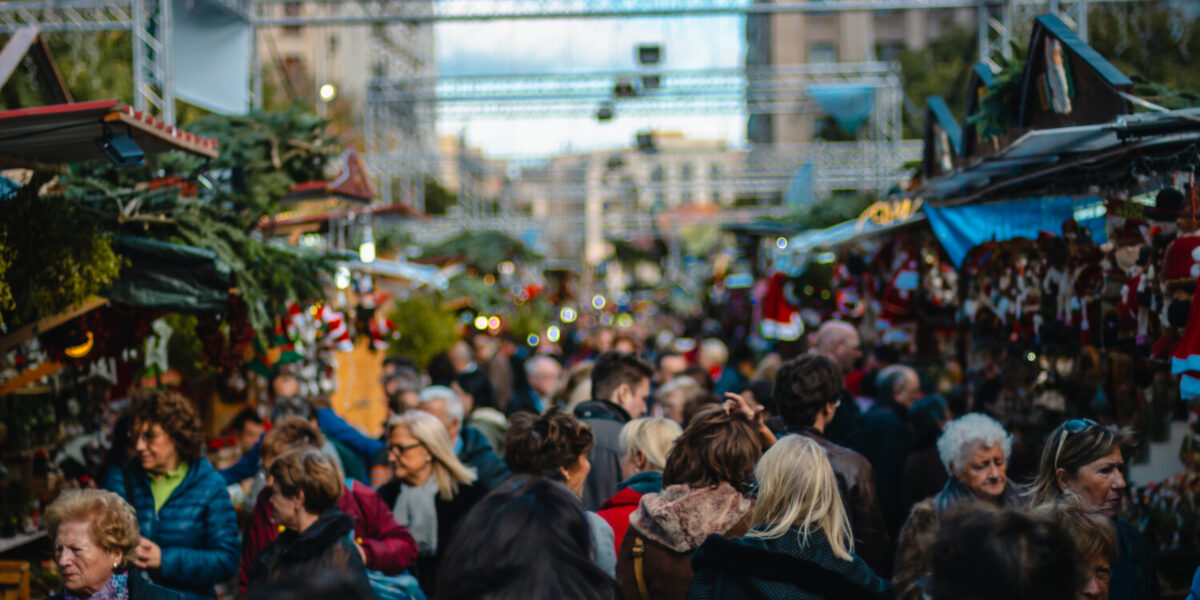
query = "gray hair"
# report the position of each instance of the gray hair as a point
(682, 384)
(531, 365)
(433, 393)
(961, 435)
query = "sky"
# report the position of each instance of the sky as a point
(584, 46)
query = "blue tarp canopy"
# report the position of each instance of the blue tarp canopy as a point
(960, 228)
(849, 105)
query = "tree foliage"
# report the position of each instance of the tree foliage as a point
(425, 329)
(941, 68)
(483, 250)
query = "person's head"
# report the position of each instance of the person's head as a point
(248, 427)
(1095, 537)
(714, 448)
(401, 389)
(840, 341)
(625, 343)
(670, 365)
(484, 347)
(645, 444)
(975, 448)
(713, 354)
(294, 406)
(529, 538)
(928, 416)
(461, 356)
(624, 380)
(983, 553)
(441, 370)
(579, 377)
(808, 389)
(761, 392)
(796, 488)
(395, 362)
(445, 404)
(701, 376)
(543, 374)
(1081, 457)
(697, 401)
(94, 533)
(602, 340)
(673, 395)
(304, 484)
(289, 433)
(899, 384)
(553, 445)
(420, 448)
(284, 384)
(166, 430)
(881, 356)
(477, 390)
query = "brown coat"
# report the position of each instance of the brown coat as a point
(672, 525)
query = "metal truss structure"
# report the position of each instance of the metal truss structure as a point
(403, 102)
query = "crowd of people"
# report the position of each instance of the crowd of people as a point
(620, 472)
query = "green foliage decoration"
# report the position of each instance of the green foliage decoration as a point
(998, 107)
(940, 68)
(55, 255)
(425, 329)
(483, 250)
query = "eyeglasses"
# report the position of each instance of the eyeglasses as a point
(401, 449)
(1070, 428)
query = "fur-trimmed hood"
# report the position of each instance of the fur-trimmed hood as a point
(680, 517)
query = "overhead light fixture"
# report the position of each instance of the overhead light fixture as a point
(623, 88)
(120, 148)
(328, 92)
(651, 82)
(605, 112)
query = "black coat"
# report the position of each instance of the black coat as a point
(449, 513)
(477, 452)
(887, 443)
(1133, 575)
(732, 569)
(324, 545)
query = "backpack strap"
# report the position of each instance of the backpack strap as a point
(639, 572)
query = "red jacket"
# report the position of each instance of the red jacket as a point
(389, 547)
(616, 511)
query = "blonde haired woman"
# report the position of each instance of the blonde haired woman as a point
(431, 490)
(645, 444)
(799, 545)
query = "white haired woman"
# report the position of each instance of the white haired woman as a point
(431, 489)
(95, 535)
(974, 448)
(799, 544)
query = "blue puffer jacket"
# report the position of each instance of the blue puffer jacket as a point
(196, 527)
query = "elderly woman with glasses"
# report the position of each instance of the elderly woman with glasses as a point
(431, 491)
(1082, 458)
(974, 449)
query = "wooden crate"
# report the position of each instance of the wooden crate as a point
(14, 580)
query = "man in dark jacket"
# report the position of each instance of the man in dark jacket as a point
(620, 386)
(542, 373)
(840, 342)
(807, 391)
(887, 438)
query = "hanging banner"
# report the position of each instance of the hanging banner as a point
(960, 228)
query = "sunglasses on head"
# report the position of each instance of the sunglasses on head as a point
(1070, 428)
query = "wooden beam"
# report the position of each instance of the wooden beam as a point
(47, 323)
(17, 47)
(29, 377)
(49, 73)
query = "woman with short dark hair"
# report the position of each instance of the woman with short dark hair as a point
(305, 488)
(555, 446)
(527, 539)
(1082, 458)
(188, 525)
(708, 471)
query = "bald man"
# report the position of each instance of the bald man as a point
(839, 341)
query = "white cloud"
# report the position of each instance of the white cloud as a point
(591, 45)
